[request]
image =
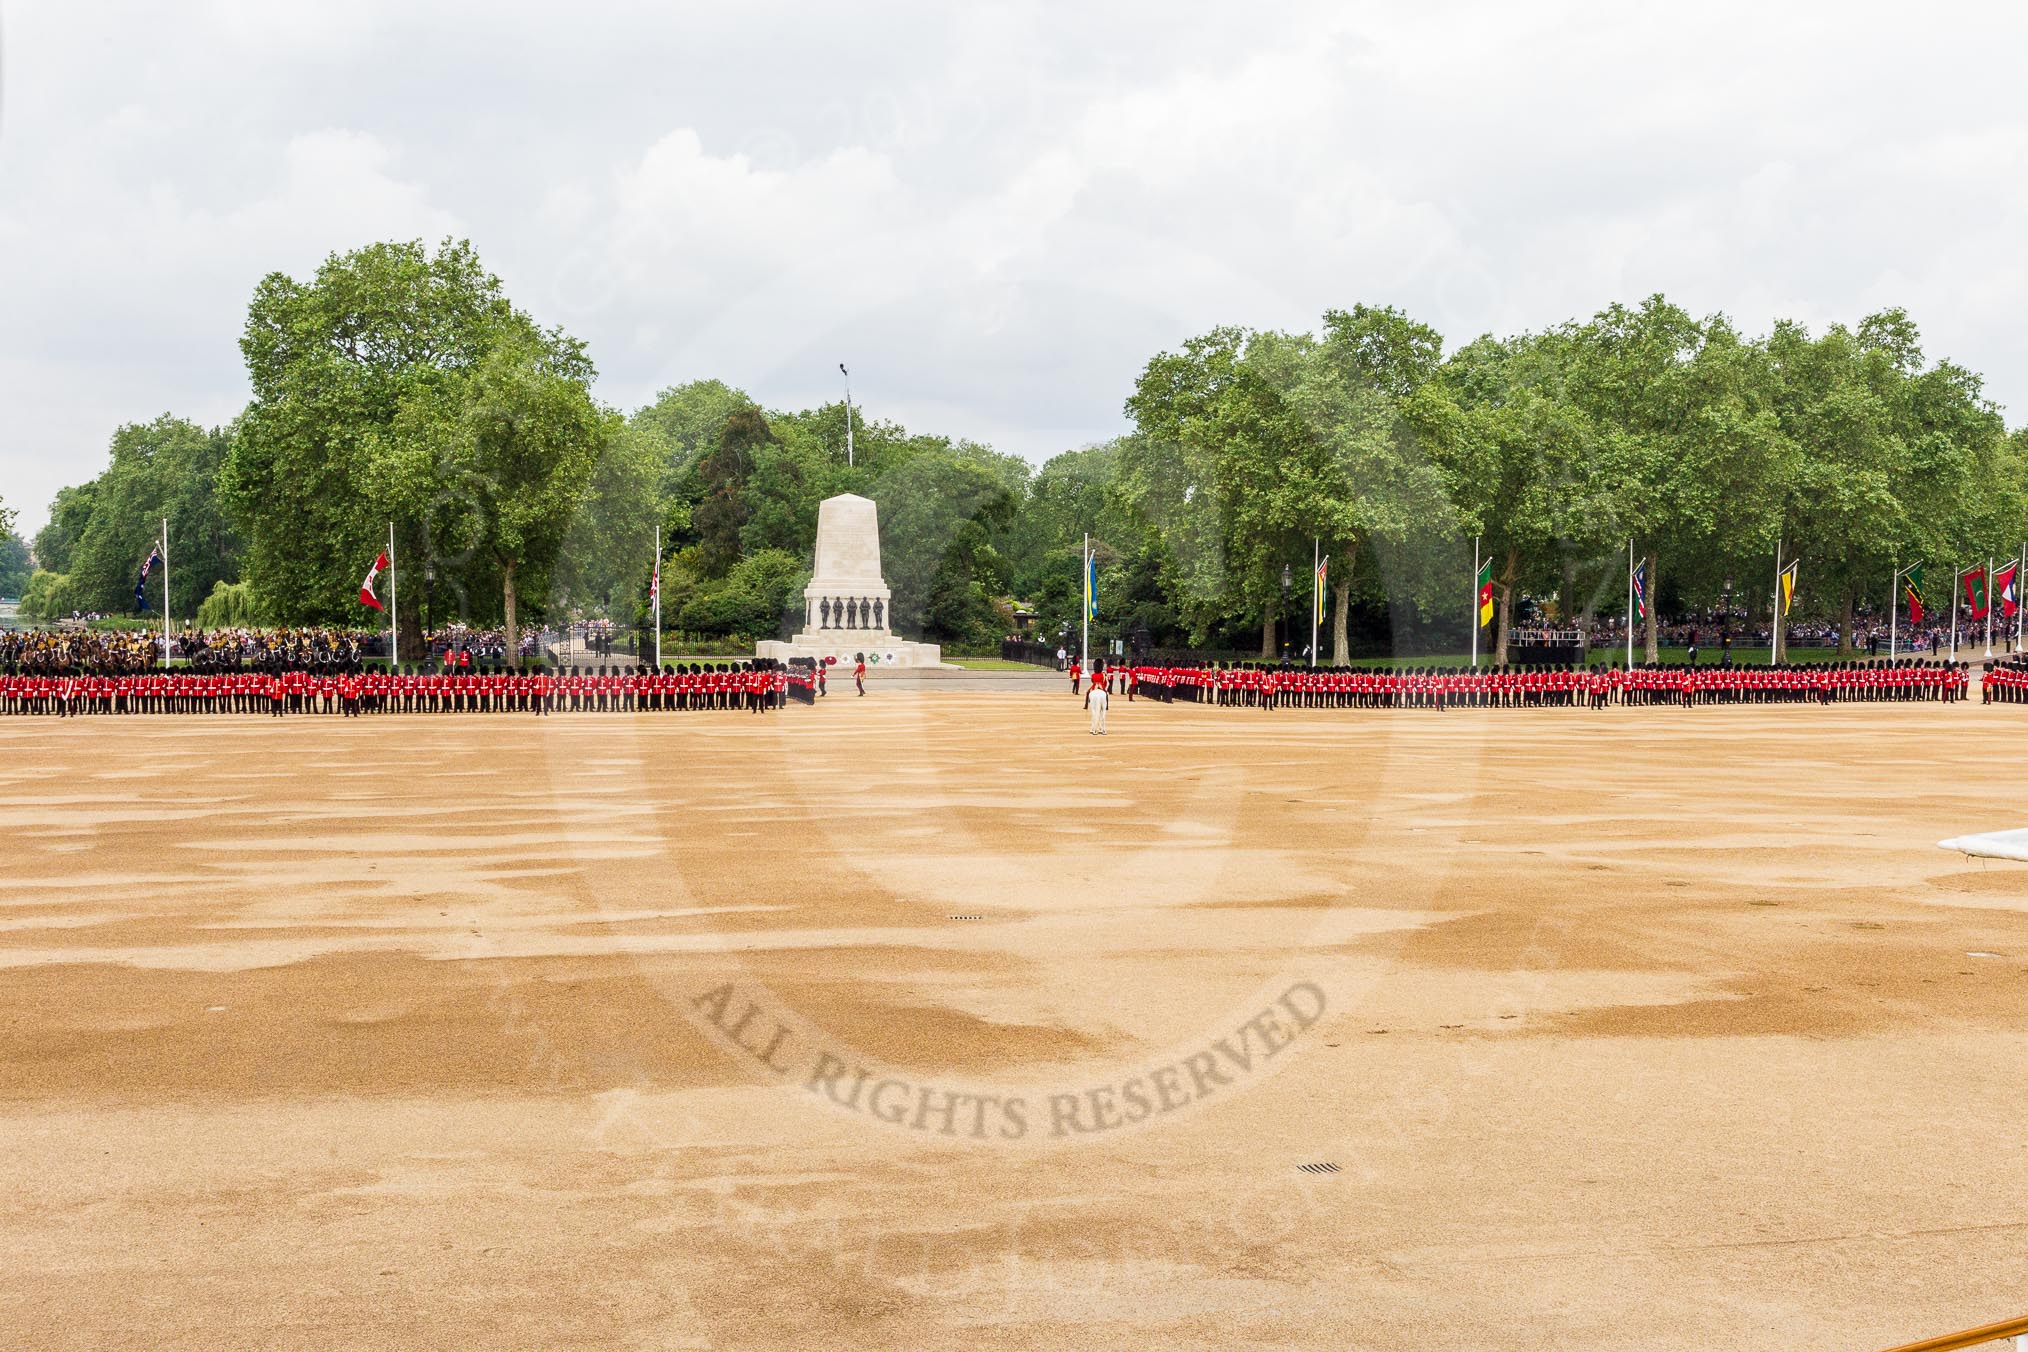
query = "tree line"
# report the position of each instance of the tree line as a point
(399, 384)
(1702, 449)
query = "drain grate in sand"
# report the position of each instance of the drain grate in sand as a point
(968, 917)
(1321, 1167)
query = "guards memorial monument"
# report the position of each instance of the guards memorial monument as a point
(846, 605)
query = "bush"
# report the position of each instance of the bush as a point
(751, 599)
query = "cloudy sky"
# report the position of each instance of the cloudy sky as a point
(994, 213)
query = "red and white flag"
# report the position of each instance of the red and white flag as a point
(367, 596)
(2006, 586)
(655, 583)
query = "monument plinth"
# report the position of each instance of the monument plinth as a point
(846, 606)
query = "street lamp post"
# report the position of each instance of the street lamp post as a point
(848, 412)
(1288, 580)
(1725, 625)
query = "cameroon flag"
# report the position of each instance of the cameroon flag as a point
(1485, 593)
(1911, 588)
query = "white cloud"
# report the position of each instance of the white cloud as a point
(126, 296)
(995, 213)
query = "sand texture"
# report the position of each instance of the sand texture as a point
(929, 1020)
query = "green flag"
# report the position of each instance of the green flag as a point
(1911, 588)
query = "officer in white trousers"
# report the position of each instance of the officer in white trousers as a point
(1095, 700)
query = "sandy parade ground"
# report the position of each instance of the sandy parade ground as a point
(929, 1020)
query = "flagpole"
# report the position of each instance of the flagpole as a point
(1774, 651)
(1316, 593)
(165, 593)
(393, 604)
(1957, 592)
(1475, 600)
(1630, 604)
(2020, 569)
(1989, 605)
(1893, 613)
(1084, 608)
(656, 575)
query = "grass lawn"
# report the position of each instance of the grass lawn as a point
(992, 664)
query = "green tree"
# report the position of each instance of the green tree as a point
(68, 514)
(681, 427)
(685, 421)
(16, 565)
(722, 510)
(940, 510)
(1375, 425)
(230, 606)
(389, 335)
(1254, 446)
(49, 596)
(520, 438)
(1200, 472)
(1885, 463)
(99, 532)
(606, 557)
(751, 599)
(789, 477)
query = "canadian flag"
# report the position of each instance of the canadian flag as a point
(367, 596)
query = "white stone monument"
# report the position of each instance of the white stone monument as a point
(846, 604)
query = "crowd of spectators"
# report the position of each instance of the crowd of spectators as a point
(81, 650)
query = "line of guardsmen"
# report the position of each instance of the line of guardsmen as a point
(1270, 686)
(755, 686)
(2005, 682)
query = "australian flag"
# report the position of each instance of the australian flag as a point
(141, 582)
